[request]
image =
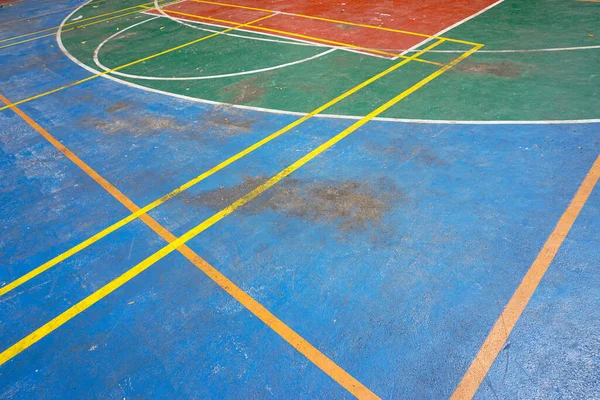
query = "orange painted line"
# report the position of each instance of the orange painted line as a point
(512, 312)
(303, 346)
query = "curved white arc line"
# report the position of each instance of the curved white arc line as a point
(97, 50)
(298, 41)
(196, 78)
(259, 39)
(282, 112)
(190, 78)
(291, 41)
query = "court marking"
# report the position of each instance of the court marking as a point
(355, 387)
(72, 22)
(496, 339)
(296, 40)
(89, 78)
(19, 346)
(54, 261)
(470, 17)
(41, 15)
(304, 347)
(104, 73)
(328, 116)
(96, 59)
(71, 29)
(337, 21)
(307, 37)
(540, 50)
(183, 22)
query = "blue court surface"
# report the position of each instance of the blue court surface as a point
(327, 228)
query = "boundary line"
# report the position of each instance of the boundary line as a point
(494, 343)
(347, 381)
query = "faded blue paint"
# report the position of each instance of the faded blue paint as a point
(553, 352)
(402, 300)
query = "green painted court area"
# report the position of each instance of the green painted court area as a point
(234, 199)
(526, 60)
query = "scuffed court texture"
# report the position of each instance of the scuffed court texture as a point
(300, 199)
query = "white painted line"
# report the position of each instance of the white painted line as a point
(190, 78)
(288, 40)
(283, 112)
(452, 27)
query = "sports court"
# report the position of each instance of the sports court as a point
(300, 199)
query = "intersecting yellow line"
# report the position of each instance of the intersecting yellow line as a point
(337, 21)
(117, 225)
(70, 23)
(313, 354)
(89, 78)
(72, 28)
(307, 37)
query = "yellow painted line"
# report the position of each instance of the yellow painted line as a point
(337, 21)
(27, 40)
(117, 225)
(40, 15)
(496, 339)
(89, 78)
(294, 339)
(54, 28)
(313, 38)
(303, 346)
(71, 29)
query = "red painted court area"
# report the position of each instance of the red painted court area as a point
(310, 20)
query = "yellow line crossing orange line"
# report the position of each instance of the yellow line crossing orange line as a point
(298, 342)
(117, 225)
(312, 353)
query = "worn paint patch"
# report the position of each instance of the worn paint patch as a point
(245, 91)
(349, 205)
(504, 69)
(141, 125)
(225, 121)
